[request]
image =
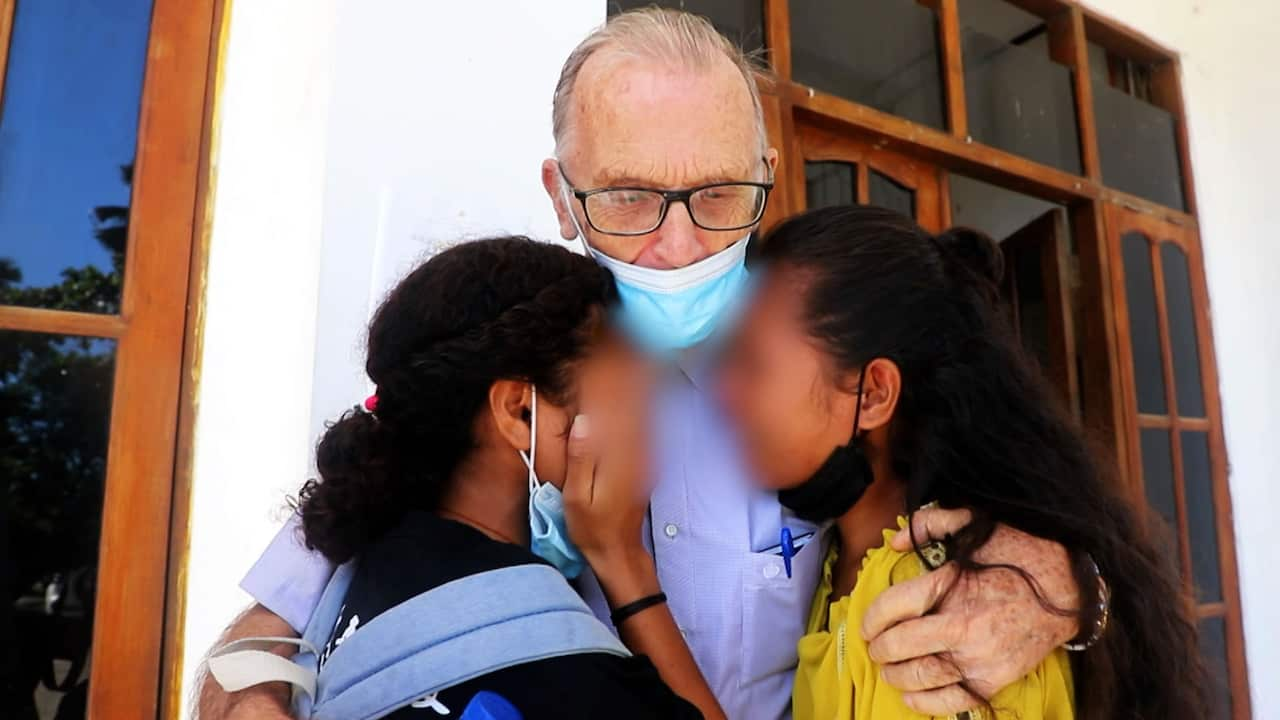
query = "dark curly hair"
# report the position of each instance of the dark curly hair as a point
(976, 426)
(485, 310)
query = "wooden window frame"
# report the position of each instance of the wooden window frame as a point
(1106, 383)
(151, 334)
(1121, 221)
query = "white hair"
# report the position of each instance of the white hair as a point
(677, 38)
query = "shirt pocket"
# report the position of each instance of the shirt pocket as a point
(775, 609)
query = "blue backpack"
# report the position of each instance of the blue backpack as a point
(407, 655)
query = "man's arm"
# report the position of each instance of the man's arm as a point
(269, 701)
(991, 625)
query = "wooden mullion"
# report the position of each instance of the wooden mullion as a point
(953, 67)
(944, 198)
(1102, 384)
(1171, 406)
(777, 23)
(60, 322)
(7, 9)
(1132, 453)
(863, 190)
(1146, 421)
(778, 128)
(1208, 610)
(133, 555)
(1069, 46)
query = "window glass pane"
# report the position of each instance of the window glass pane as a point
(55, 406)
(1182, 331)
(1138, 145)
(1144, 331)
(884, 191)
(1157, 479)
(882, 53)
(830, 183)
(1019, 100)
(742, 21)
(994, 210)
(1201, 519)
(1213, 648)
(68, 131)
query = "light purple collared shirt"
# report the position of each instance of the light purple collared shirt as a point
(714, 535)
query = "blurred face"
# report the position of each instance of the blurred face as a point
(780, 388)
(637, 124)
(612, 385)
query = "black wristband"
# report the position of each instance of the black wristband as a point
(619, 616)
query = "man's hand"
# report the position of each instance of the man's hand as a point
(268, 701)
(990, 629)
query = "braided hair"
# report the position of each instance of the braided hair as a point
(486, 310)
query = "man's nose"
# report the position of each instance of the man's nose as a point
(678, 244)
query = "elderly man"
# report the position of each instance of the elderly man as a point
(657, 121)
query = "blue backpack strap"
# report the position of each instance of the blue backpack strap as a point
(249, 661)
(456, 632)
(319, 629)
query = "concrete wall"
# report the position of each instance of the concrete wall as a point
(356, 136)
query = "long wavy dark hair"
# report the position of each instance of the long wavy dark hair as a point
(978, 427)
(485, 310)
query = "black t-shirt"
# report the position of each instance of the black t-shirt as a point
(426, 551)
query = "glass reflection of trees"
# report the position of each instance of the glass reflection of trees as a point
(55, 409)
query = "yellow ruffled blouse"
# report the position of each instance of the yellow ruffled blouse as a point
(837, 680)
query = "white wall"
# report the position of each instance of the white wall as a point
(1232, 94)
(255, 384)
(440, 120)
(355, 135)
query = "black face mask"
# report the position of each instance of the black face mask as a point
(837, 484)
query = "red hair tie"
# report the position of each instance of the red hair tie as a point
(371, 403)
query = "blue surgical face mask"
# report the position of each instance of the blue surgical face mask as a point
(548, 536)
(669, 310)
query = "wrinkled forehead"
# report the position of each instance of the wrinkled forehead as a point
(637, 121)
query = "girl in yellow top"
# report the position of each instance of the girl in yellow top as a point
(875, 371)
(838, 679)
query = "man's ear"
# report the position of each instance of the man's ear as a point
(771, 158)
(510, 402)
(881, 388)
(551, 182)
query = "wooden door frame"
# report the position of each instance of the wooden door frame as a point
(166, 212)
(129, 626)
(1121, 220)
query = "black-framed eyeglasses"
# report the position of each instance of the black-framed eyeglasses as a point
(640, 211)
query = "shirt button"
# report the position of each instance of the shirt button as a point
(771, 571)
(671, 530)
